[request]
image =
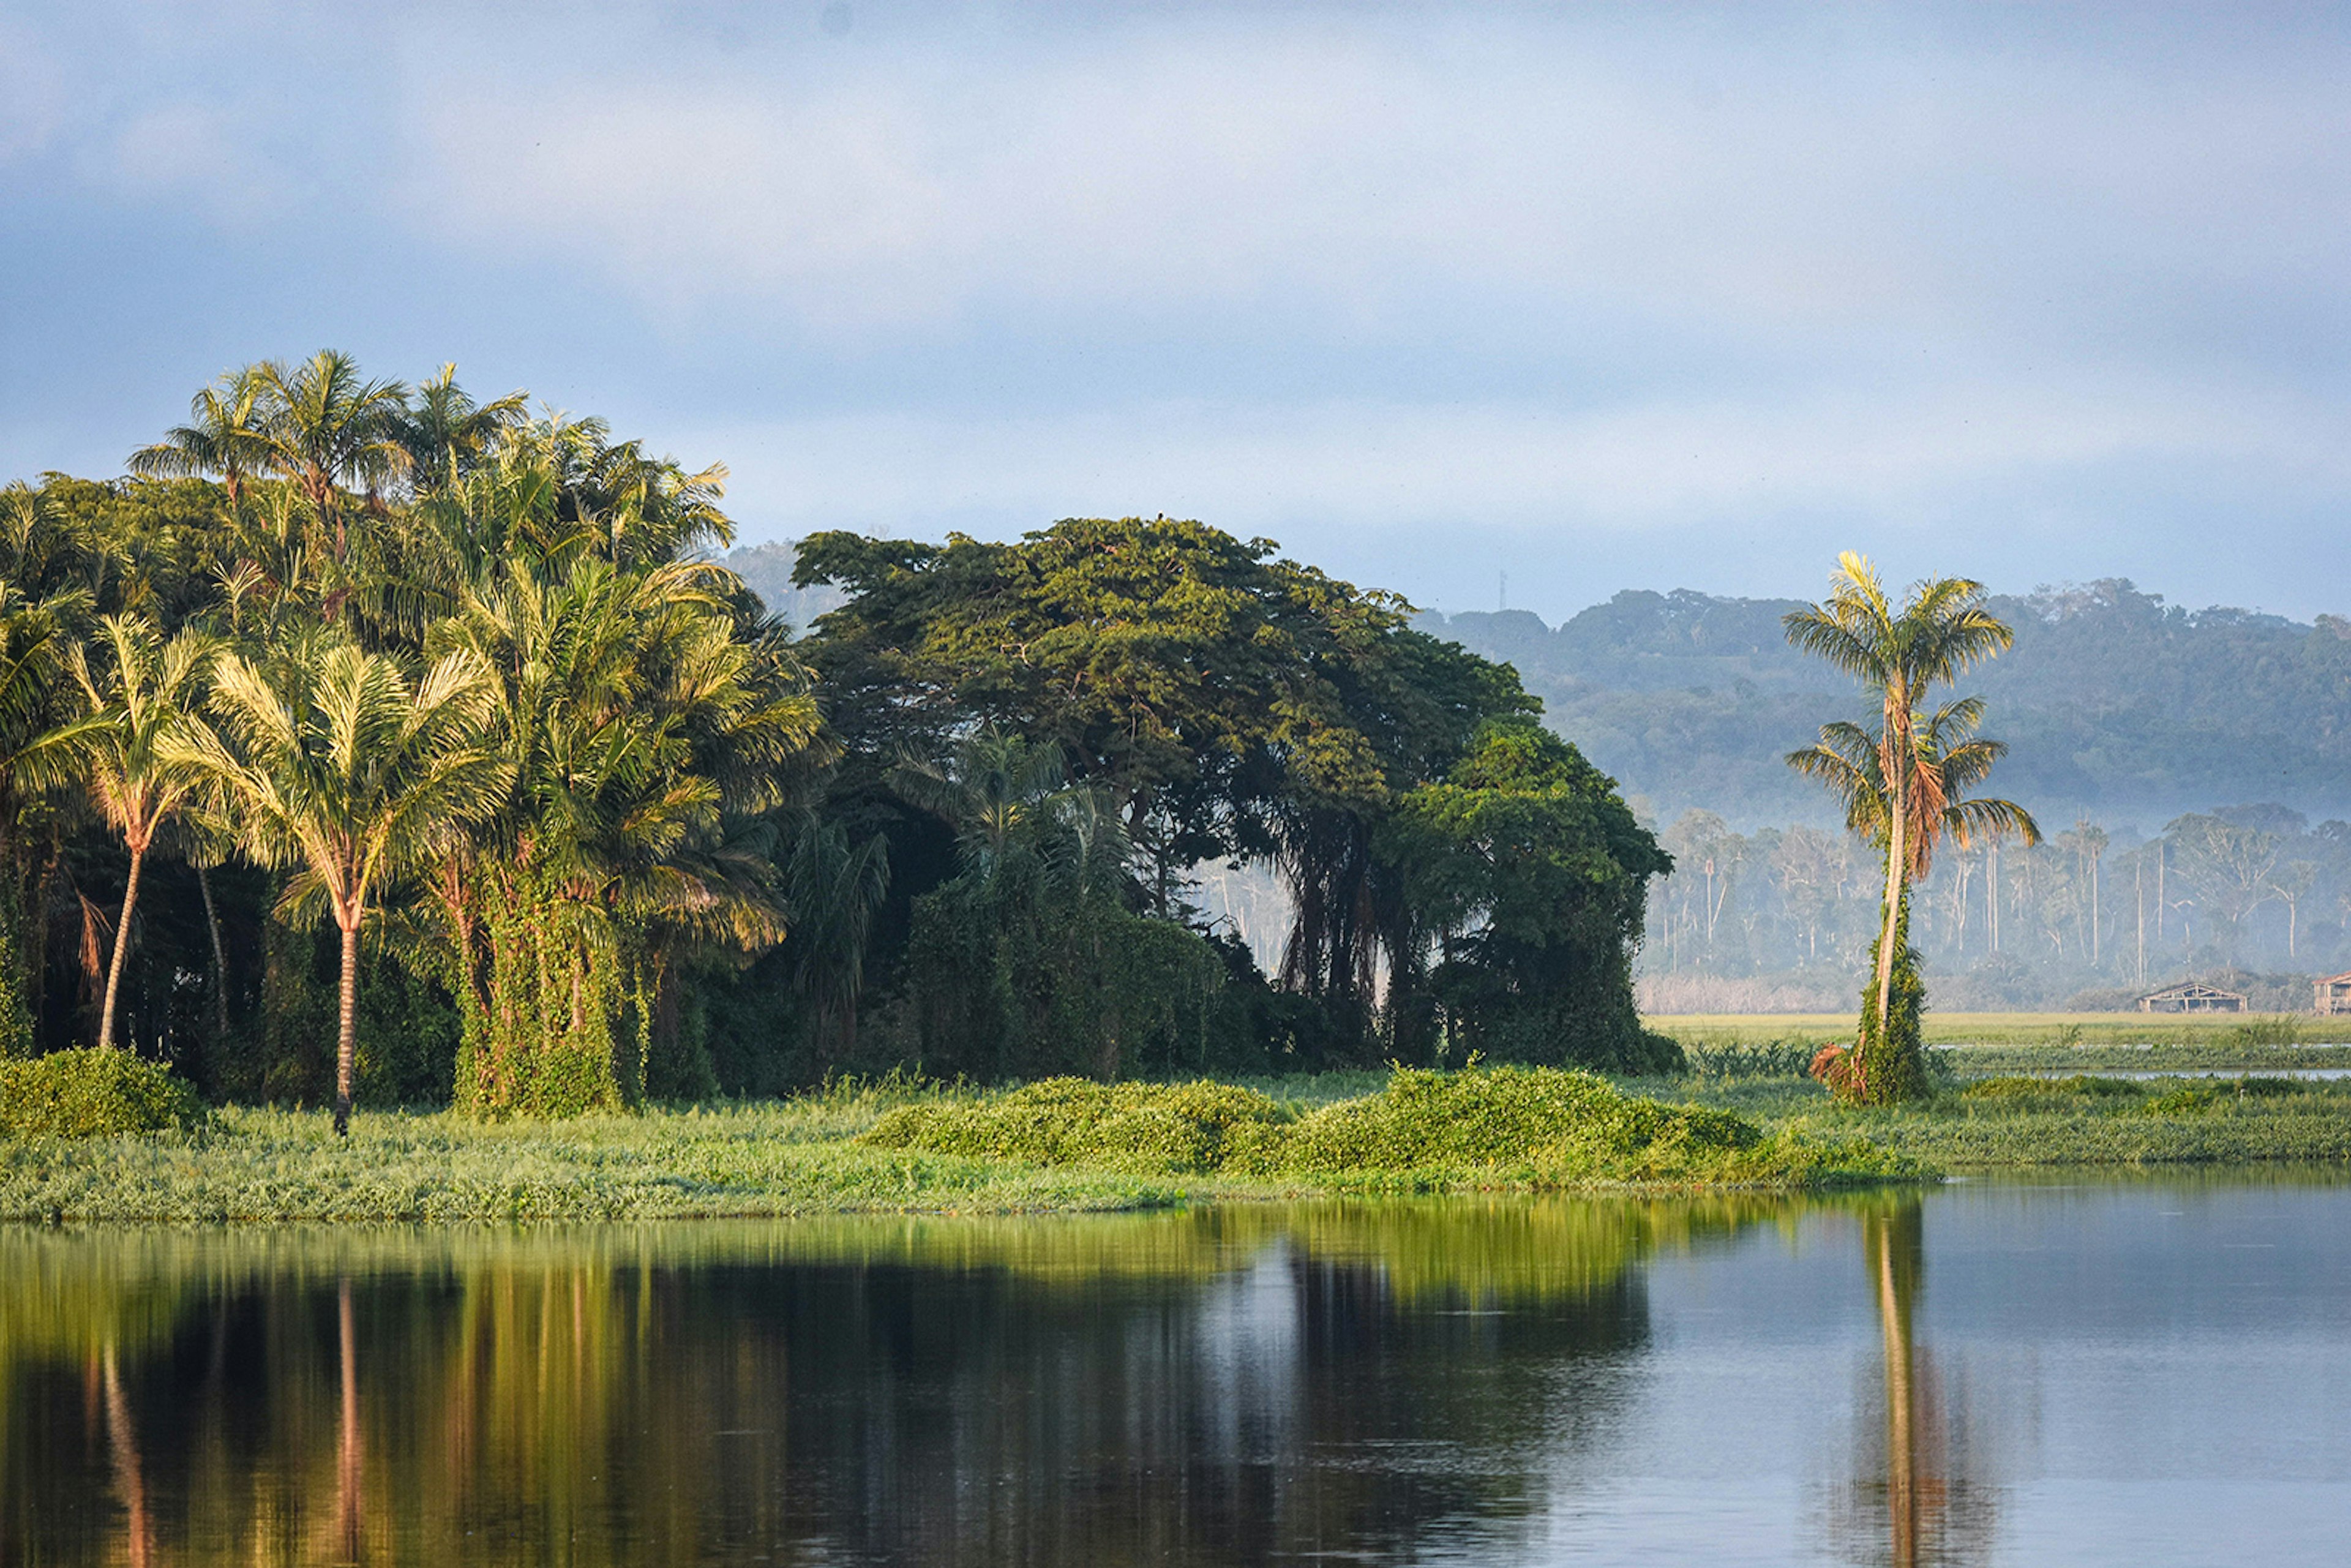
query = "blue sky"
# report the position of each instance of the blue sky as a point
(1650, 295)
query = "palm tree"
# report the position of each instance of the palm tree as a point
(834, 891)
(446, 432)
(225, 435)
(327, 429)
(644, 734)
(1901, 656)
(335, 763)
(142, 705)
(1947, 759)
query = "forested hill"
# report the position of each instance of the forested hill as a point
(2112, 701)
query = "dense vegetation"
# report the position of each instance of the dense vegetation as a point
(2120, 706)
(371, 742)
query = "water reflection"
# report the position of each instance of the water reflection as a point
(1224, 1387)
(1911, 1501)
(1492, 1381)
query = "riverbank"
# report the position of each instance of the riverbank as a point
(941, 1150)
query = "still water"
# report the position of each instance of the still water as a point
(2111, 1372)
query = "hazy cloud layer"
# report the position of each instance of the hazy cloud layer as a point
(1647, 296)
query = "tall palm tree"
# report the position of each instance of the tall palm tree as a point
(446, 432)
(1947, 760)
(1900, 654)
(327, 429)
(335, 763)
(142, 702)
(226, 434)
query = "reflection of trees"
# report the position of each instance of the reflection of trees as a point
(1164, 1388)
(1927, 1508)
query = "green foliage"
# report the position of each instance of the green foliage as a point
(1539, 1126)
(1534, 875)
(1890, 1066)
(91, 1092)
(1196, 1127)
(2254, 1033)
(1763, 1059)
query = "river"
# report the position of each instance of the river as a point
(2124, 1371)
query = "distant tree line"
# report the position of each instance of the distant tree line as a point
(370, 741)
(2093, 916)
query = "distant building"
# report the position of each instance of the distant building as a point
(2334, 994)
(2195, 997)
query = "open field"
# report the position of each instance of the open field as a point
(2017, 1028)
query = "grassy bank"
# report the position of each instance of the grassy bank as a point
(1057, 1146)
(1063, 1148)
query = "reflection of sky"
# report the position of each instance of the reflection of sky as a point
(2121, 1375)
(1655, 296)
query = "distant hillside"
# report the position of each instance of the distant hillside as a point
(767, 571)
(2112, 701)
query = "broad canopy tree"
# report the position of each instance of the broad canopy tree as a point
(1227, 704)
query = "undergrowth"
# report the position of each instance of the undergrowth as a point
(1537, 1127)
(89, 1092)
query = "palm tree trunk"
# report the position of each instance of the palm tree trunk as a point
(220, 956)
(121, 948)
(1896, 865)
(347, 1036)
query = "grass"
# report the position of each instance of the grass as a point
(1746, 1120)
(790, 1158)
(2022, 1122)
(1982, 1044)
(907, 1148)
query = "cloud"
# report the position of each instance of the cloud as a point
(1839, 181)
(1658, 466)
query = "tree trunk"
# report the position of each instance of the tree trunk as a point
(220, 956)
(347, 1037)
(1895, 867)
(122, 949)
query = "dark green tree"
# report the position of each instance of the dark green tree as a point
(1531, 876)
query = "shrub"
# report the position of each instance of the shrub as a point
(1567, 1124)
(89, 1092)
(1184, 1127)
(1539, 1126)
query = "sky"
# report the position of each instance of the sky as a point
(1471, 302)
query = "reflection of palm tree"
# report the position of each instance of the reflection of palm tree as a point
(129, 1480)
(349, 1496)
(1893, 1242)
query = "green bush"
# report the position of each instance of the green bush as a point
(1515, 1126)
(88, 1094)
(1184, 1127)
(1565, 1123)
